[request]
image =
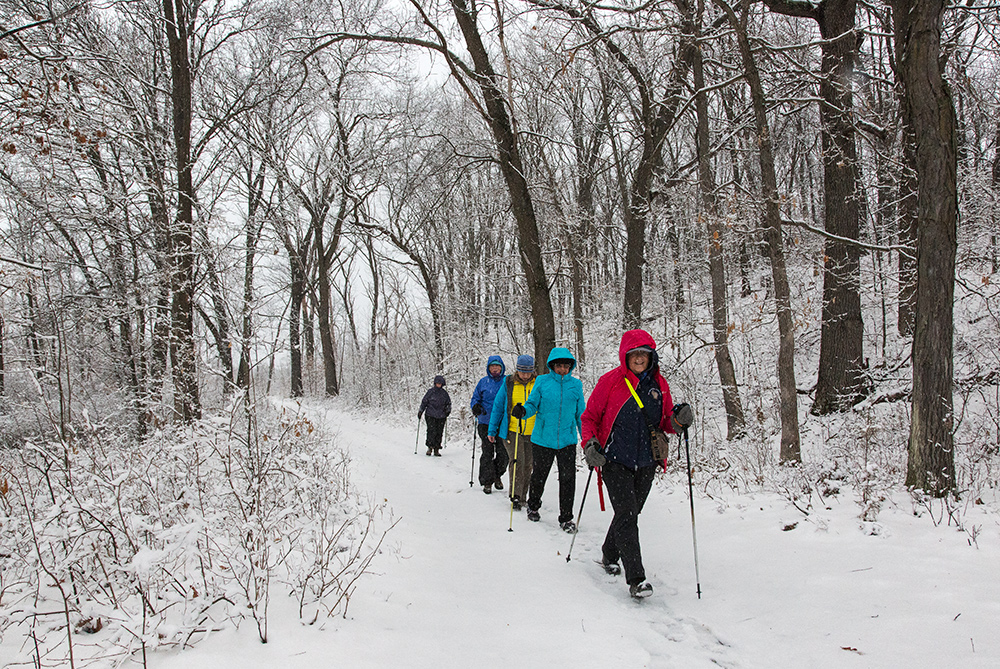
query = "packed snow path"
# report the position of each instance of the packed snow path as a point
(453, 588)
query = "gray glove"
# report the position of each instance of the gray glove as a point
(683, 415)
(592, 453)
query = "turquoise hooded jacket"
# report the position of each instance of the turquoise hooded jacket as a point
(557, 403)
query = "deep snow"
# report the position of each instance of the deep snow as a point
(454, 588)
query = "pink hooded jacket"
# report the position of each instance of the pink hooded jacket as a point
(611, 393)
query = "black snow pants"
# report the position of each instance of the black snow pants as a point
(542, 458)
(435, 429)
(493, 459)
(628, 490)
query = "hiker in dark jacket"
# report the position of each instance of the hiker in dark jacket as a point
(493, 460)
(616, 434)
(436, 405)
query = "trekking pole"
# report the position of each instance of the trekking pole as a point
(417, 442)
(694, 534)
(580, 513)
(513, 476)
(473, 472)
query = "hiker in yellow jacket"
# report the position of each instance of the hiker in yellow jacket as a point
(515, 433)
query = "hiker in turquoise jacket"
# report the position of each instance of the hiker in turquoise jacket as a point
(557, 403)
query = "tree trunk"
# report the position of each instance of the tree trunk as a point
(994, 255)
(841, 382)
(3, 336)
(512, 168)
(790, 444)
(298, 294)
(219, 320)
(182, 352)
(735, 422)
(252, 229)
(907, 207)
(931, 462)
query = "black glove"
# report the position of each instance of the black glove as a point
(477, 409)
(518, 411)
(419, 415)
(683, 415)
(592, 453)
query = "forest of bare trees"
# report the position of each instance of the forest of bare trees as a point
(194, 193)
(205, 204)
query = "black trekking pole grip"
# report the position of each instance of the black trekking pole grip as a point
(580, 513)
(694, 533)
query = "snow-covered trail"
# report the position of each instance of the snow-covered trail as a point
(453, 588)
(465, 590)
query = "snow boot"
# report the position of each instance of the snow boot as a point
(612, 568)
(568, 526)
(487, 489)
(429, 451)
(534, 516)
(640, 590)
(515, 502)
(498, 484)
(437, 452)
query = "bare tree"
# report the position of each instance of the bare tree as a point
(841, 382)
(735, 421)
(931, 464)
(790, 445)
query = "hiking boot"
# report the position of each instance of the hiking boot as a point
(487, 489)
(640, 590)
(515, 502)
(612, 568)
(429, 451)
(437, 452)
(568, 526)
(498, 484)
(534, 516)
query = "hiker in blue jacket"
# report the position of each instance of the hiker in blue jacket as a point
(557, 403)
(493, 460)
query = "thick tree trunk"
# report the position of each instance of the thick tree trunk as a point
(735, 422)
(931, 463)
(790, 442)
(182, 351)
(512, 168)
(907, 207)
(842, 381)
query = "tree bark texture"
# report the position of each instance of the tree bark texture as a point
(906, 197)
(187, 404)
(790, 441)
(512, 168)
(931, 462)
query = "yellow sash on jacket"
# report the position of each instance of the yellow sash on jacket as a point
(519, 395)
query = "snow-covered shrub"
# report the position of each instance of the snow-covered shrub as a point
(112, 546)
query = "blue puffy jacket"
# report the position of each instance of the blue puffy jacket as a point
(486, 389)
(557, 403)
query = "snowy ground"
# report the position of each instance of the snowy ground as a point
(454, 588)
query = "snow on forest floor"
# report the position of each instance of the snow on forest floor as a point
(454, 588)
